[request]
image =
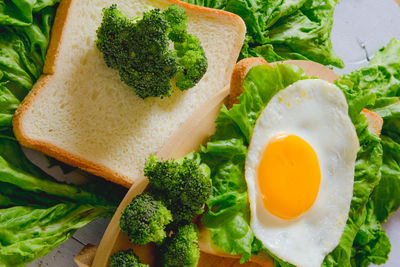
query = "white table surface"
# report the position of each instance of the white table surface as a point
(360, 28)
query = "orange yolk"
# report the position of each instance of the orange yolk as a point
(289, 176)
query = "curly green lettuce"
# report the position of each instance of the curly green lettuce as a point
(382, 77)
(290, 29)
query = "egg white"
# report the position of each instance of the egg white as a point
(317, 112)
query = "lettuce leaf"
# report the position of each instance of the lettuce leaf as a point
(27, 233)
(228, 215)
(382, 76)
(23, 48)
(289, 29)
(371, 245)
(386, 195)
(22, 12)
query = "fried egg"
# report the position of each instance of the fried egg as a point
(300, 172)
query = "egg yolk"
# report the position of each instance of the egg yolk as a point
(289, 176)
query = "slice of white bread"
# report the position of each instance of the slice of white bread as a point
(239, 73)
(81, 113)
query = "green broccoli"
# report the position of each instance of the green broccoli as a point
(108, 41)
(185, 184)
(181, 248)
(177, 19)
(145, 219)
(193, 62)
(125, 258)
(139, 49)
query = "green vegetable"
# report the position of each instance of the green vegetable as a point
(10, 174)
(24, 36)
(371, 244)
(181, 248)
(37, 213)
(288, 29)
(19, 197)
(145, 219)
(139, 49)
(386, 195)
(183, 184)
(125, 258)
(382, 77)
(192, 61)
(27, 233)
(177, 20)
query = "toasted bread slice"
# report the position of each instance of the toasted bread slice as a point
(81, 113)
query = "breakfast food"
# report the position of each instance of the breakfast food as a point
(81, 113)
(21, 64)
(231, 205)
(290, 226)
(300, 171)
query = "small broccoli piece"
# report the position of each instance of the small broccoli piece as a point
(145, 219)
(125, 258)
(151, 64)
(184, 183)
(181, 248)
(177, 19)
(110, 34)
(193, 62)
(139, 49)
(181, 214)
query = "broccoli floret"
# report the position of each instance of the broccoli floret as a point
(184, 183)
(125, 258)
(193, 62)
(151, 64)
(140, 50)
(109, 36)
(181, 248)
(177, 19)
(145, 219)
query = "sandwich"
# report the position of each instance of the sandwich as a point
(293, 162)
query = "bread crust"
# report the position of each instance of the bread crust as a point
(49, 70)
(375, 122)
(56, 36)
(239, 73)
